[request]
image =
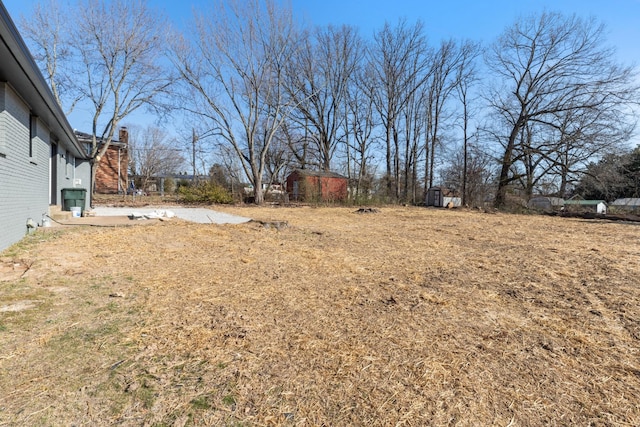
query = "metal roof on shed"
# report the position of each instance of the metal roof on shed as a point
(628, 201)
(584, 202)
(323, 174)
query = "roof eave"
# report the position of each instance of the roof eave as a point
(33, 87)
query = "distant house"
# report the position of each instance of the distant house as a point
(579, 205)
(40, 156)
(111, 172)
(546, 203)
(158, 183)
(626, 204)
(316, 186)
(441, 197)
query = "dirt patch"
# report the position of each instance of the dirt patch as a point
(407, 317)
(18, 306)
(12, 270)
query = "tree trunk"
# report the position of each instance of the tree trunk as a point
(258, 193)
(503, 180)
(389, 162)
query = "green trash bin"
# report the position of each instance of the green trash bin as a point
(73, 198)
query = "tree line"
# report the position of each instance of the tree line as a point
(396, 113)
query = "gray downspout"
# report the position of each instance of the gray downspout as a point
(119, 181)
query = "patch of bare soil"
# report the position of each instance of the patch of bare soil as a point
(410, 316)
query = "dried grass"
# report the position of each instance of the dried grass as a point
(407, 316)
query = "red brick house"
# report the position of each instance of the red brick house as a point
(112, 170)
(316, 186)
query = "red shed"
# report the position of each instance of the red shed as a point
(315, 186)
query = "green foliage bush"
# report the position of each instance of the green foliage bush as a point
(205, 192)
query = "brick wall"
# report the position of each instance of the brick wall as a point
(112, 165)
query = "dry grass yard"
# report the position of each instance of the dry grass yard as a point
(409, 316)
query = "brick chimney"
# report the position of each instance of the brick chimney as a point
(124, 135)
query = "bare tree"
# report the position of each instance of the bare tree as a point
(318, 80)
(446, 70)
(277, 159)
(547, 65)
(531, 167)
(301, 152)
(235, 70)
(550, 157)
(412, 124)
(400, 58)
(584, 135)
(229, 164)
(47, 30)
(120, 45)
(466, 77)
(360, 125)
(152, 154)
(475, 166)
(115, 50)
(198, 141)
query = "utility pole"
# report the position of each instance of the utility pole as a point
(194, 140)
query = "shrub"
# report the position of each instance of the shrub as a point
(169, 185)
(205, 192)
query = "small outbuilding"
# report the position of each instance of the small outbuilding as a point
(578, 205)
(627, 204)
(546, 203)
(316, 186)
(441, 197)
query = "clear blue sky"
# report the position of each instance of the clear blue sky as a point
(480, 20)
